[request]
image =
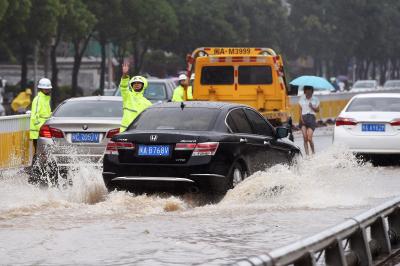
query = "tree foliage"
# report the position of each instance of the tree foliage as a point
(341, 37)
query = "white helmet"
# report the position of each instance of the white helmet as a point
(45, 83)
(182, 77)
(192, 76)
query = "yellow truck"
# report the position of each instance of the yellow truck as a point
(251, 76)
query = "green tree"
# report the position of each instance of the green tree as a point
(15, 33)
(78, 24)
(109, 22)
(208, 23)
(150, 24)
(3, 8)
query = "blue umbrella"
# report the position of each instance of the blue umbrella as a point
(316, 82)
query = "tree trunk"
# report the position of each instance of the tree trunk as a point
(135, 59)
(119, 51)
(366, 70)
(46, 59)
(373, 69)
(78, 54)
(54, 73)
(24, 67)
(141, 58)
(383, 69)
(102, 66)
(75, 70)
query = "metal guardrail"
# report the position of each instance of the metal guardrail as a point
(370, 238)
(15, 146)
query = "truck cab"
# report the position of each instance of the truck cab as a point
(251, 76)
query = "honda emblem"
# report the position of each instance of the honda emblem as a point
(153, 137)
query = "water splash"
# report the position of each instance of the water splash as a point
(332, 178)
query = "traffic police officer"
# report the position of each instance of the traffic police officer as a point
(133, 100)
(41, 110)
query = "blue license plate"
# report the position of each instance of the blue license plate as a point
(154, 150)
(373, 127)
(85, 137)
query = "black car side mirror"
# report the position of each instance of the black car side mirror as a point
(282, 132)
(293, 90)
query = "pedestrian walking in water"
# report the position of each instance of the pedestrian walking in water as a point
(309, 106)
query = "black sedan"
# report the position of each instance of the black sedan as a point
(207, 146)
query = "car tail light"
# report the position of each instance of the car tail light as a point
(111, 133)
(113, 147)
(395, 122)
(343, 121)
(185, 146)
(50, 132)
(205, 148)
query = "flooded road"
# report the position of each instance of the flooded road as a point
(84, 224)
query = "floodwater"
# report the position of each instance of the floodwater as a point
(86, 225)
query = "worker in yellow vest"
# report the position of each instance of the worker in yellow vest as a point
(41, 110)
(179, 91)
(20, 103)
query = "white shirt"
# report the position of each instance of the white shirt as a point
(305, 104)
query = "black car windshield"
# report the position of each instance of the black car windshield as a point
(379, 104)
(89, 109)
(191, 119)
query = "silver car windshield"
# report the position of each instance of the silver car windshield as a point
(154, 91)
(380, 104)
(89, 109)
(364, 85)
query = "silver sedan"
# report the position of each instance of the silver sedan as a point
(76, 135)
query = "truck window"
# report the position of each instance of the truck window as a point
(217, 75)
(255, 75)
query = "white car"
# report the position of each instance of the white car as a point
(392, 84)
(370, 124)
(364, 85)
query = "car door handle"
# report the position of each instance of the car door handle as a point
(243, 140)
(267, 143)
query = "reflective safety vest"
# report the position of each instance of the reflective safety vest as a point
(133, 102)
(179, 93)
(41, 111)
(21, 102)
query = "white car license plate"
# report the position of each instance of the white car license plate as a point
(373, 127)
(85, 137)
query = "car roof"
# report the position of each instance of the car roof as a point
(198, 104)
(378, 95)
(158, 80)
(96, 98)
(392, 80)
(366, 80)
